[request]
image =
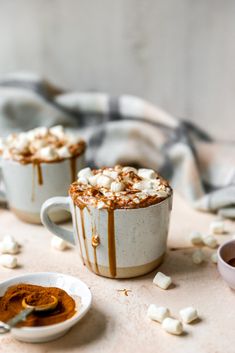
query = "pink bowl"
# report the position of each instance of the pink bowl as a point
(225, 253)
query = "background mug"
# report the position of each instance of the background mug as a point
(27, 186)
(119, 243)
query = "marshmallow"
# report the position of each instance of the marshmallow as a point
(210, 241)
(9, 247)
(21, 143)
(162, 193)
(57, 130)
(93, 179)
(162, 280)
(8, 237)
(85, 172)
(39, 131)
(198, 257)
(73, 138)
(172, 326)
(195, 238)
(217, 227)
(147, 173)
(111, 173)
(8, 261)
(117, 186)
(188, 314)
(58, 243)
(100, 205)
(83, 180)
(64, 152)
(104, 181)
(214, 257)
(157, 313)
(47, 153)
(142, 185)
(129, 169)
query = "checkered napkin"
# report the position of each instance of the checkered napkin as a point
(128, 130)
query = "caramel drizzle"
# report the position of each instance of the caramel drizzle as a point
(84, 236)
(73, 168)
(111, 243)
(95, 242)
(39, 173)
(79, 240)
(33, 184)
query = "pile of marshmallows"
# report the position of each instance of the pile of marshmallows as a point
(40, 142)
(162, 314)
(118, 181)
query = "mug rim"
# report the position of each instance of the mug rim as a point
(220, 258)
(13, 161)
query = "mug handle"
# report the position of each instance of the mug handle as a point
(3, 197)
(55, 203)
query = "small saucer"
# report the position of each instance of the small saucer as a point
(225, 253)
(72, 285)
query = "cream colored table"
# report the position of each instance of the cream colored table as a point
(118, 323)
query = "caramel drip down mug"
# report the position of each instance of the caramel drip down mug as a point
(120, 243)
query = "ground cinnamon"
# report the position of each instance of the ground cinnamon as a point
(11, 304)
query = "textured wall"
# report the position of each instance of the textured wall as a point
(179, 54)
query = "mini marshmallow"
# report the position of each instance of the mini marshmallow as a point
(188, 314)
(195, 238)
(162, 193)
(210, 241)
(104, 181)
(214, 257)
(198, 257)
(162, 280)
(48, 153)
(117, 186)
(217, 227)
(111, 173)
(9, 247)
(172, 326)
(129, 169)
(157, 313)
(147, 173)
(83, 180)
(93, 179)
(142, 185)
(85, 172)
(100, 205)
(58, 243)
(8, 237)
(64, 152)
(39, 131)
(8, 261)
(57, 130)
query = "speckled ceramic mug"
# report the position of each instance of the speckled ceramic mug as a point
(120, 243)
(27, 186)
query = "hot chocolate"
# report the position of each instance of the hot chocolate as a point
(119, 187)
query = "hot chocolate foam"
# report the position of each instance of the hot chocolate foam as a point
(119, 187)
(41, 145)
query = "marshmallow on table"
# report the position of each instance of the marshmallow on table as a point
(157, 313)
(217, 227)
(210, 241)
(214, 258)
(195, 238)
(172, 326)
(188, 314)
(8, 245)
(8, 261)
(198, 256)
(58, 243)
(162, 280)
(147, 173)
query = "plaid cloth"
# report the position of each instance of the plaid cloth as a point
(128, 130)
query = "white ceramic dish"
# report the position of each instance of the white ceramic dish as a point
(72, 285)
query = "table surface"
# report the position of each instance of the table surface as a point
(118, 323)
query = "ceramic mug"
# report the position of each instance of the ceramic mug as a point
(27, 186)
(119, 243)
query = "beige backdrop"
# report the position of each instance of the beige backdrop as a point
(179, 54)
